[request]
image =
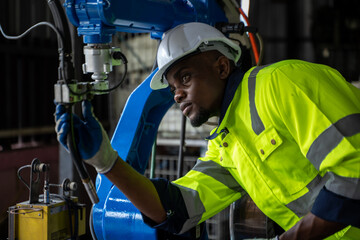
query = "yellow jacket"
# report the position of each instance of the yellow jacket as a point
(291, 128)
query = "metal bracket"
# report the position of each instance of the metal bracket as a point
(34, 182)
(36, 168)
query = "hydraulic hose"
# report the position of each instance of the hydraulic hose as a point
(66, 69)
(79, 164)
(66, 73)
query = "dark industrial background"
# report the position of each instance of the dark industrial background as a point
(322, 31)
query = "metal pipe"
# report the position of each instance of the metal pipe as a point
(231, 221)
(153, 160)
(153, 150)
(182, 147)
(11, 223)
(46, 197)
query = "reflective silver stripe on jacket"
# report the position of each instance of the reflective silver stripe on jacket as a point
(344, 186)
(219, 173)
(320, 148)
(303, 205)
(331, 137)
(194, 207)
(256, 122)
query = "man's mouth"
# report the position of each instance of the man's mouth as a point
(185, 108)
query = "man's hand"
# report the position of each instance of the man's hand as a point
(91, 139)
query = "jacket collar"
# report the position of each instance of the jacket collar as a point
(230, 89)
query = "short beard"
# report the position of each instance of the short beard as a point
(200, 118)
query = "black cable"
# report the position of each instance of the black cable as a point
(19, 175)
(75, 155)
(65, 68)
(124, 60)
(250, 29)
(31, 28)
(62, 55)
(70, 206)
(76, 216)
(65, 73)
(77, 161)
(48, 24)
(61, 24)
(117, 55)
(70, 218)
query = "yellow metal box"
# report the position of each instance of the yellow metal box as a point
(45, 221)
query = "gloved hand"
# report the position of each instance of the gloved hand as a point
(91, 139)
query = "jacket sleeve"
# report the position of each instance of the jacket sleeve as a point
(204, 191)
(322, 113)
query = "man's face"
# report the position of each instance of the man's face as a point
(198, 86)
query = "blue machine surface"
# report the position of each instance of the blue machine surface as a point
(98, 20)
(114, 216)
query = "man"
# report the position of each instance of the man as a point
(288, 135)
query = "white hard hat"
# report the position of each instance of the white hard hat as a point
(186, 39)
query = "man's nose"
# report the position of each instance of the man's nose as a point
(179, 95)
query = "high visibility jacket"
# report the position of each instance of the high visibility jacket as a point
(290, 132)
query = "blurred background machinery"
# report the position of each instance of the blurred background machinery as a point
(323, 31)
(46, 216)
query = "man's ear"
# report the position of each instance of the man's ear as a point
(224, 67)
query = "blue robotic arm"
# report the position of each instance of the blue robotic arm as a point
(97, 21)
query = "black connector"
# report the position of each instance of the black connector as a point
(240, 28)
(120, 55)
(227, 28)
(251, 29)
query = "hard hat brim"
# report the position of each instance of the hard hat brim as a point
(209, 40)
(159, 81)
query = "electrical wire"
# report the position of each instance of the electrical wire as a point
(16, 37)
(19, 175)
(79, 164)
(100, 91)
(71, 206)
(61, 52)
(60, 38)
(261, 47)
(31, 28)
(252, 38)
(124, 60)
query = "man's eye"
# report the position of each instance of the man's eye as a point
(185, 78)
